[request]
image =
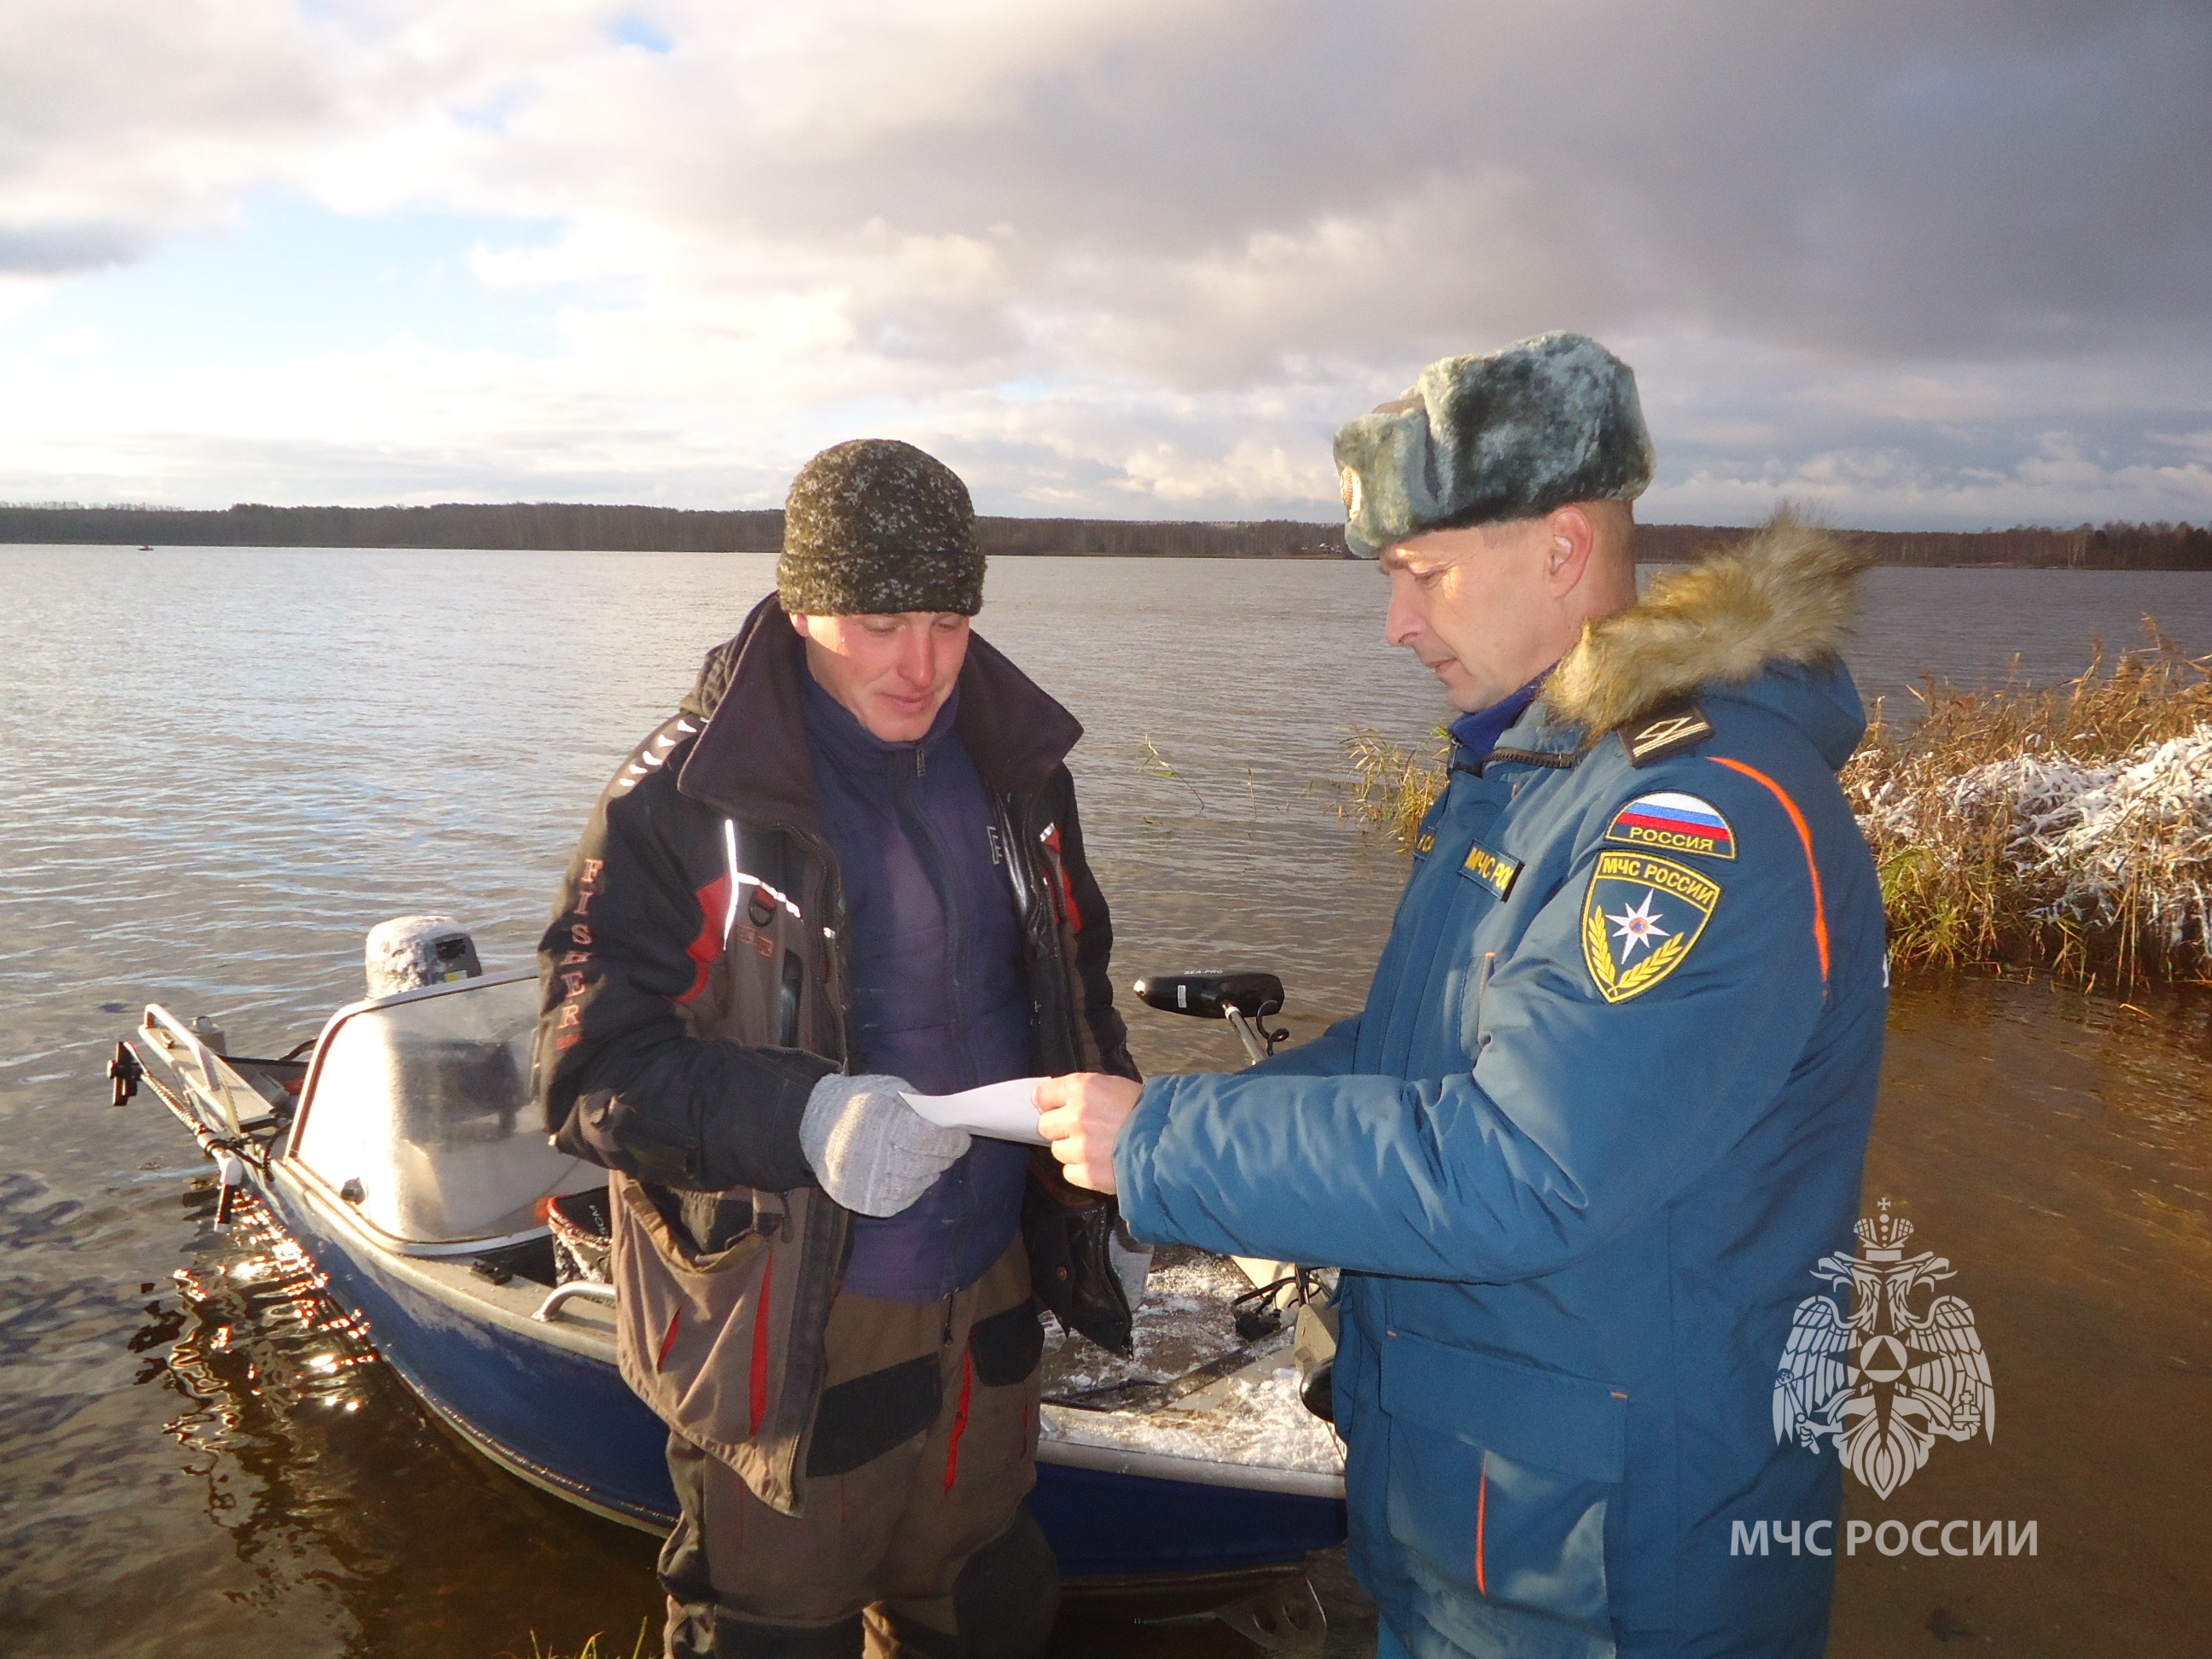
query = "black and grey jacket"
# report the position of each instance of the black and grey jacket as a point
(696, 986)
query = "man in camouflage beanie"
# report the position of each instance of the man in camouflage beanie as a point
(848, 867)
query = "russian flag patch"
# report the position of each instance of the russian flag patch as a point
(1679, 823)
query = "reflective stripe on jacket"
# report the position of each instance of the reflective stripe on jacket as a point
(696, 985)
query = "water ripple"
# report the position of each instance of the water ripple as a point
(212, 796)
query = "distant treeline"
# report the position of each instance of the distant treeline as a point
(455, 523)
(616, 529)
(555, 525)
(2086, 547)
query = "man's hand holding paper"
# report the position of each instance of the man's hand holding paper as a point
(1081, 1116)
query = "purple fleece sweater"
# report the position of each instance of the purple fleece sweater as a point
(936, 985)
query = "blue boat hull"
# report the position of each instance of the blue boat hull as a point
(1105, 1525)
(565, 1420)
(569, 1423)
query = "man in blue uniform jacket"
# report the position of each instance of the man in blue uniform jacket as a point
(1608, 1100)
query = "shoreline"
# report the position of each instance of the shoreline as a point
(549, 527)
(1643, 562)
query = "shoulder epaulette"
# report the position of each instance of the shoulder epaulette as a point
(1667, 730)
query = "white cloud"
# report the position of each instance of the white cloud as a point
(1140, 259)
(122, 123)
(75, 343)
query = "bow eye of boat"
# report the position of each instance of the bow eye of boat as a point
(563, 1294)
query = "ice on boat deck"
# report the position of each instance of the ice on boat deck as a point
(1193, 1387)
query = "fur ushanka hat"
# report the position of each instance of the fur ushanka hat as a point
(874, 527)
(1487, 440)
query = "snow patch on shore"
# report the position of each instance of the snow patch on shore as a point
(2122, 843)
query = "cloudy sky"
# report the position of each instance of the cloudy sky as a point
(1920, 265)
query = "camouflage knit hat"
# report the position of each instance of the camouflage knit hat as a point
(1475, 440)
(874, 527)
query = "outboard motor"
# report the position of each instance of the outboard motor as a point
(1244, 999)
(408, 952)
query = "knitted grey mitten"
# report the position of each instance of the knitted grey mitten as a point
(869, 1150)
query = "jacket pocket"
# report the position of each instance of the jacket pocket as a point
(1501, 1476)
(695, 1333)
(1008, 1346)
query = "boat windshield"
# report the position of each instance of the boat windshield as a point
(423, 1100)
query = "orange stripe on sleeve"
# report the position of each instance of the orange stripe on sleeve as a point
(1482, 1516)
(1804, 835)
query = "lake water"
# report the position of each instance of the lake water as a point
(221, 766)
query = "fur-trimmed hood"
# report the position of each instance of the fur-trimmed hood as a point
(1785, 597)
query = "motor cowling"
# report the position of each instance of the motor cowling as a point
(1211, 995)
(408, 952)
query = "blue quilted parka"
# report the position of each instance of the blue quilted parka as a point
(1606, 1105)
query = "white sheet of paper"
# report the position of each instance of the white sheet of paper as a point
(1004, 1111)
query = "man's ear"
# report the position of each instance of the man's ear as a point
(798, 621)
(1570, 536)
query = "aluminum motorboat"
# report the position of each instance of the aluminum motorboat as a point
(400, 1150)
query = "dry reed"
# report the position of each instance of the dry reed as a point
(1392, 785)
(2066, 828)
(591, 1648)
